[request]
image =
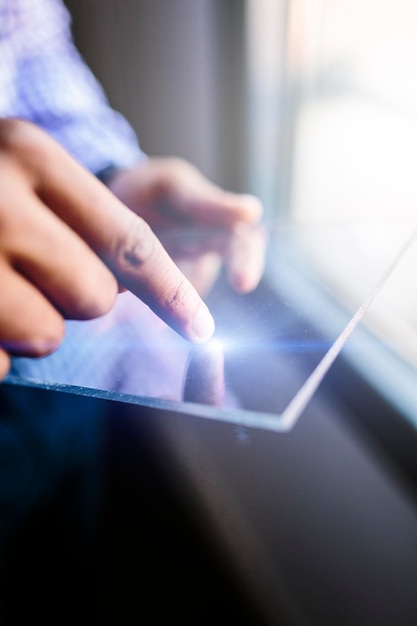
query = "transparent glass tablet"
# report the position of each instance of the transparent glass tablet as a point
(272, 347)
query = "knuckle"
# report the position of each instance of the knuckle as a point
(137, 247)
(178, 165)
(17, 136)
(9, 132)
(176, 169)
(26, 145)
(176, 299)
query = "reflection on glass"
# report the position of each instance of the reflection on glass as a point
(204, 381)
(327, 129)
(271, 344)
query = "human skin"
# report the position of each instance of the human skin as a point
(68, 244)
(202, 226)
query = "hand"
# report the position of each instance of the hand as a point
(66, 243)
(200, 224)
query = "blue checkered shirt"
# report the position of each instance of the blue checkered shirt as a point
(43, 79)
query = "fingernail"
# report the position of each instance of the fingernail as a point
(203, 324)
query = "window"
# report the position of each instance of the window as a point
(333, 118)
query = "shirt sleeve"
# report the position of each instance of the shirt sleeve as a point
(56, 90)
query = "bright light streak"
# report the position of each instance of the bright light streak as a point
(221, 344)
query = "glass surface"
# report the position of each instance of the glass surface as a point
(329, 140)
(333, 136)
(272, 347)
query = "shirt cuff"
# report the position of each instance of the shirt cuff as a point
(105, 174)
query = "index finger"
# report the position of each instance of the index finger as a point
(124, 241)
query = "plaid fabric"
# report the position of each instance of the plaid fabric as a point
(43, 79)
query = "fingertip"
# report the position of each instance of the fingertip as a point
(242, 283)
(254, 207)
(247, 279)
(248, 206)
(203, 325)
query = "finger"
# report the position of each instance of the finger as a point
(55, 259)
(233, 207)
(144, 267)
(4, 364)
(202, 253)
(245, 260)
(190, 194)
(29, 324)
(126, 244)
(214, 207)
(202, 270)
(176, 192)
(204, 381)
